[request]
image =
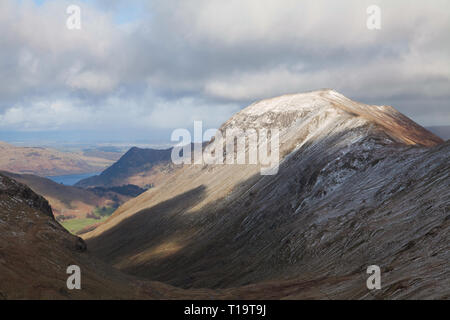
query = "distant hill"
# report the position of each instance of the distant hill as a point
(441, 131)
(110, 153)
(49, 162)
(138, 166)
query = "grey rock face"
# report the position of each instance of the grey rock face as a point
(15, 189)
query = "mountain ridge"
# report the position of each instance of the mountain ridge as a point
(136, 166)
(396, 124)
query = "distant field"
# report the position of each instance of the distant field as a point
(75, 225)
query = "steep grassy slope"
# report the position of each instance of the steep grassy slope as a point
(35, 252)
(357, 186)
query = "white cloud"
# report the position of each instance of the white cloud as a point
(49, 115)
(183, 112)
(93, 82)
(202, 59)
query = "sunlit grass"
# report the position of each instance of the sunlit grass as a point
(76, 225)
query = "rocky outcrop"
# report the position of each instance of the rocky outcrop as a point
(20, 191)
(35, 251)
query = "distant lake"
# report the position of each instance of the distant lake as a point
(71, 179)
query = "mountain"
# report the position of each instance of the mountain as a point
(441, 131)
(138, 166)
(357, 185)
(48, 162)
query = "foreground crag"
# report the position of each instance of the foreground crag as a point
(35, 252)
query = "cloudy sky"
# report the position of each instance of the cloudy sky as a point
(138, 69)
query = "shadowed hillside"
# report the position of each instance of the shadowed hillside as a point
(137, 166)
(35, 252)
